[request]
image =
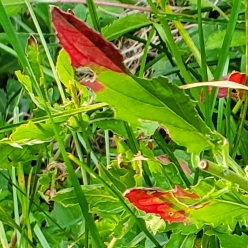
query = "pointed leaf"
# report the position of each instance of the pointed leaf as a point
(84, 45)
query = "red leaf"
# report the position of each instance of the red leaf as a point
(236, 77)
(169, 205)
(85, 46)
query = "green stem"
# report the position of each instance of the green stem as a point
(106, 136)
(240, 127)
(190, 43)
(237, 107)
(224, 52)
(13, 184)
(93, 15)
(81, 157)
(228, 115)
(196, 177)
(225, 173)
(203, 64)
(220, 115)
(145, 53)
(162, 144)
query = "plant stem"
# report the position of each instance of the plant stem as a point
(145, 53)
(224, 52)
(219, 171)
(204, 67)
(240, 127)
(93, 15)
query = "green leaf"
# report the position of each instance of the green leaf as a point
(12, 7)
(229, 240)
(27, 84)
(220, 212)
(11, 155)
(32, 51)
(138, 100)
(98, 198)
(116, 126)
(125, 25)
(64, 68)
(216, 39)
(33, 133)
(180, 241)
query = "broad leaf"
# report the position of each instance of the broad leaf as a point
(155, 101)
(135, 100)
(218, 212)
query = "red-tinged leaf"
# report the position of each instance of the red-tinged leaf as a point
(176, 205)
(95, 85)
(165, 160)
(85, 46)
(184, 196)
(154, 201)
(236, 77)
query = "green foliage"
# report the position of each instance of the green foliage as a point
(125, 25)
